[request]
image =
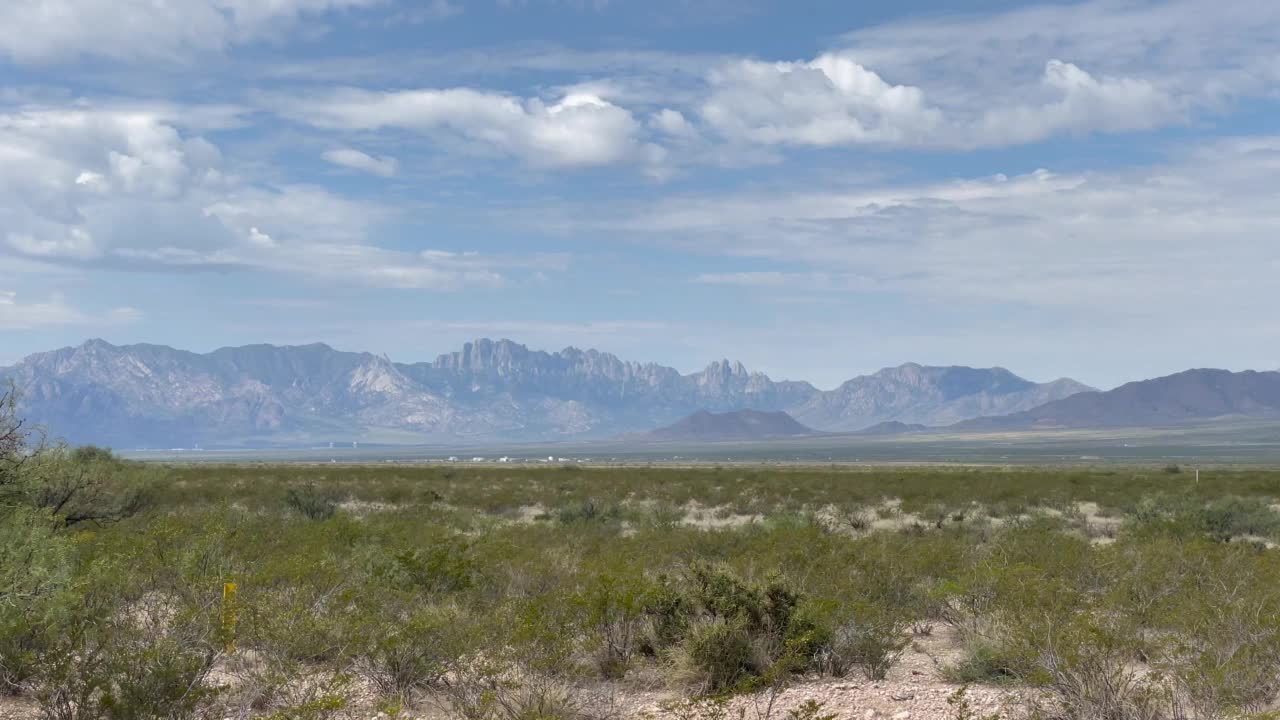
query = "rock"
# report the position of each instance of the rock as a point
(904, 715)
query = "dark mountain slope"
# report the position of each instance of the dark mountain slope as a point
(1189, 396)
(704, 426)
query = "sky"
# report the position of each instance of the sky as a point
(816, 188)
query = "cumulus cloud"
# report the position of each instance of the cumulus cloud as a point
(347, 157)
(52, 30)
(834, 100)
(124, 190)
(830, 100)
(1083, 103)
(578, 130)
(63, 171)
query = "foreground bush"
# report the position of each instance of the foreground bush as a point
(35, 571)
(149, 657)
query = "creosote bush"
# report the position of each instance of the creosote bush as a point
(313, 502)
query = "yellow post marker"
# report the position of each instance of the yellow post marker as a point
(229, 615)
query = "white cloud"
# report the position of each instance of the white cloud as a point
(672, 122)
(834, 100)
(1182, 47)
(576, 130)
(257, 237)
(74, 243)
(125, 190)
(347, 157)
(67, 175)
(1191, 240)
(830, 100)
(1084, 104)
(52, 30)
(17, 315)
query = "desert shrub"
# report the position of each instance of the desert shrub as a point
(810, 710)
(409, 648)
(323, 701)
(128, 656)
(442, 566)
(967, 602)
(1086, 665)
(313, 501)
(858, 635)
(293, 633)
(522, 667)
(962, 709)
(1230, 517)
(14, 436)
(1060, 635)
(489, 691)
(717, 654)
(667, 613)
(705, 707)
(1218, 635)
(589, 510)
(722, 632)
(35, 567)
(612, 607)
(985, 662)
(1222, 518)
(661, 517)
(85, 485)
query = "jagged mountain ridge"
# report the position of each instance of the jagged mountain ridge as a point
(156, 396)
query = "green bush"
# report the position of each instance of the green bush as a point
(589, 510)
(148, 659)
(85, 485)
(313, 501)
(35, 569)
(408, 648)
(861, 635)
(985, 663)
(612, 607)
(717, 654)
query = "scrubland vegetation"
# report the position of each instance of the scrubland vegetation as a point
(132, 592)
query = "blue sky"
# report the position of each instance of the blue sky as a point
(818, 189)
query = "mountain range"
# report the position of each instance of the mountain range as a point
(139, 396)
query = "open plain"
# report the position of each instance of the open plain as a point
(514, 593)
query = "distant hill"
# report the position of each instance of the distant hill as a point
(1194, 395)
(704, 426)
(893, 427)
